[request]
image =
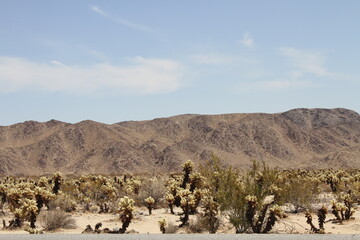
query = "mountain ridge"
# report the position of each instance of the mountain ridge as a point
(300, 137)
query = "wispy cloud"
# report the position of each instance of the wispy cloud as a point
(312, 62)
(123, 22)
(306, 61)
(138, 76)
(247, 41)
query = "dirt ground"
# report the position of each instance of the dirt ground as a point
(145, 223)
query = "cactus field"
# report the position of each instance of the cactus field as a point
(208, 198)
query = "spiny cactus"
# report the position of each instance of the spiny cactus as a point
(321, 219)
(149, 202)
(170, 199)
(322, 216)
(210, 215)
(173, 187)
(338, 210)
(275, 212)
(187, 201)
(349, 211)
(57, 182)
(126, 208)
(309, 219)
(42, 197)
(162, 224)
(28, 211)
(188, 167)
(196, 181)
(343, 211)
(132, 186)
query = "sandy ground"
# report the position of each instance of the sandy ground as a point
(145, 223)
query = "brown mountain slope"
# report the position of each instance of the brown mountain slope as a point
(298, 138)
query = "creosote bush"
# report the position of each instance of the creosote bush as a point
(241, 197)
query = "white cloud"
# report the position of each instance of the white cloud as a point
(247, 41)
(123, 22)
(307, 62)
(140, 75)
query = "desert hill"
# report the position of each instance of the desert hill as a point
(312, 138)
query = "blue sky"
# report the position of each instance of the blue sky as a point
(111, 61)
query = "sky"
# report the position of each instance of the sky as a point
(112, 61)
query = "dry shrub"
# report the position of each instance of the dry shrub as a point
(94, 209)
(154, 187)
(52, 220)
(171, 228)
(197, 225)
(64, 202)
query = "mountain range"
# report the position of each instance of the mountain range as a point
(299, 138)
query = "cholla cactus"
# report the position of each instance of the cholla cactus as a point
(28, 211)
(274, 212)
(251, 208)
(187, 201)
(321, 218)
(57, 182)
(198, 195)
(261, 217)
(188, 167)
(132, 186)
(274, 190)
(126, 208)
(170, 199)
(162, 223)
(129, 189)
(71, 187)
(33, 231)
(349, 211)
(309, 221)
(149, 202)
(210, 208)
(174, 188)
(87, 203)
(42, 197)
(332, 179)
(3, 192)
(196, 181)
(42, 182)
(338, 210)
(14, 195)
(343, 211)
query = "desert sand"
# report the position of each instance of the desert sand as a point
(144, 223)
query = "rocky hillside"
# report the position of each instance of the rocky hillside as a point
(314, 138)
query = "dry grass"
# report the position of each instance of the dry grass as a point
(171, 228)
(56, 219)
